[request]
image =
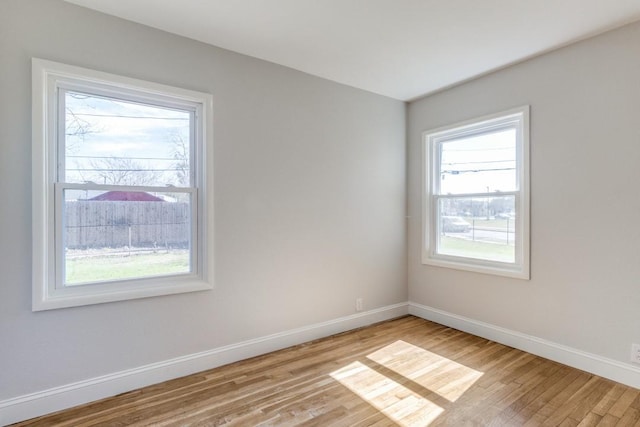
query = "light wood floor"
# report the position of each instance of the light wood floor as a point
(405, 372)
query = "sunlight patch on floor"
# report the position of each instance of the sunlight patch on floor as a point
(403, 406)
(440, 375)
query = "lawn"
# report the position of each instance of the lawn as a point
(476, 249)
(117, 267)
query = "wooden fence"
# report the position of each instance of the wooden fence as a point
(117, 224)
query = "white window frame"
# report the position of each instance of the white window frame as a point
(48, 78)
(431, 146)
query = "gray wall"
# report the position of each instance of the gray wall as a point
(585, 201)
(309, 201)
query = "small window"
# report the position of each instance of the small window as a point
(476, 198)
(119, 190)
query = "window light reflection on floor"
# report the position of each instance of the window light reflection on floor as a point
(443, 376)
(445, 379)
(397, 402)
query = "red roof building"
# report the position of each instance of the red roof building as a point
(127, 196)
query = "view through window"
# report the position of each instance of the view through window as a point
(123, 233)
(120, 191)
(476, 211)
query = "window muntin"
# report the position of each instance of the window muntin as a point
(119, 187)
(476, 195)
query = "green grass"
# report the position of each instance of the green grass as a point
(474, 249)
(119, 267)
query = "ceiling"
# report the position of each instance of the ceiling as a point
(399, 48)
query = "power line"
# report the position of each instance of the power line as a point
(122, 170)
(130, 117)
(123, 158)
(479, 162)
(456, 172)
(444, 150)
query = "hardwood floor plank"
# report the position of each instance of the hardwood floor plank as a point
(588, 402)
(631, 417)
(618, 409)
(573, 402)
(404, 372)
(533, 410)
(609, 399)
(559, 400)
(590, 420)
(608, 420)
(568, 422)
(514, 412)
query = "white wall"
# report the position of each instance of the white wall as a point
(309, 202)
(585, 202)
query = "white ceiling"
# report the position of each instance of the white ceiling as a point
(399, 48)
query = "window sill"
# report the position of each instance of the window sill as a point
(76, 296)
(496, 269)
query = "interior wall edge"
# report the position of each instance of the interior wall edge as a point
(55, 399)
(608, 368)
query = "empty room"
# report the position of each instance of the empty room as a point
(319, 212)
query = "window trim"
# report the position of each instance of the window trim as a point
(521, 267)
(47, 76)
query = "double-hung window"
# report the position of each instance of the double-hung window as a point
(476, 195)
(119, 187)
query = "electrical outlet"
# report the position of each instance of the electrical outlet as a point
(635, 353)
(359, 304)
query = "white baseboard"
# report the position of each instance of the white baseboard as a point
(58, 398)
(55, 399)
(598, 365)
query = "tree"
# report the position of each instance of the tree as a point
(76, 128)
(181, 151)
(122, 171)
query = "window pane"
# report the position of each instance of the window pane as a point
(479, 164)
(118, 235)
(482, 228)
(115, 142)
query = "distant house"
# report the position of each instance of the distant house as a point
(129, 196)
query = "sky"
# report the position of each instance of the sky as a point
(479, 164)
(113, 140)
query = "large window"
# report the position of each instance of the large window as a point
(119, 187)
(476, 198)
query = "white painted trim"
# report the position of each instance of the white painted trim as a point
(608, 368)
(49, 82)
(58, 398)
(518, 118)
